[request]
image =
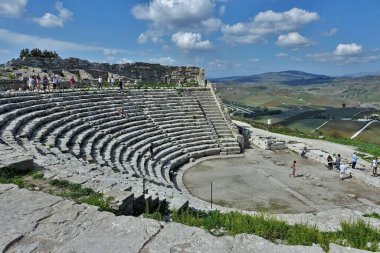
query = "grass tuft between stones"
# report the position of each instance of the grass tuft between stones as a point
(34, 179)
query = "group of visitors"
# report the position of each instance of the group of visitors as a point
(343, 168)
(340, 166)
(112, 82)
(36, 83)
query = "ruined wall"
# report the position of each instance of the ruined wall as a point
(138, 72)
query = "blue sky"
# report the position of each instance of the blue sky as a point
(225, 37)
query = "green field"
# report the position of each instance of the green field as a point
(306, 125)
(371, 134)
(342, 128)
(339, 113)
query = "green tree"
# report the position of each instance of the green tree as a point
(24, 53)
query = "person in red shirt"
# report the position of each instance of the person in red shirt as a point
(72, 82)
(293, 167)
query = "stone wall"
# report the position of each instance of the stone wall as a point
(135, 72)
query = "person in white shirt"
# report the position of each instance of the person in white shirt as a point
(374, 165)
(100, 82)
(354, 160)
(343, 170)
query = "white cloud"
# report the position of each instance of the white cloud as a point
(110, 51)
(267, 23)
(282, 55)
(191, 41)
(5, 51)
(124, 60)
(218, 64)
(166, 17)
(254, 60)
(163, 60)
(12, 8)
(31, 41)
(222, 10)
(348, 49)
(174, 12)
(211, 25)
(51, 20)
(293, 39)
(331, 32)
(345, 54)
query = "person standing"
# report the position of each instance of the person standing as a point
(31, 83)
(55, 82)
(330, 162)
(100, 82)
(120, 84)
(38, 82)
(72, 82)
(374, 165)
(293, 167)
(45, 83)
(151, 151)
(354, 160)
(112, 80)
(337, 162)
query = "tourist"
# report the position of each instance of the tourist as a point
(303, 152)
(38, 82)
(31, 83)
(121, 112)
(354, 160)
(120, 84)
(293, 167)
(112, 80)
(55, 82)
(45, 83)
(330, 162)
(343, 170)
(337, 162)
(72, 82)
(100, 82)
(151, 151)
(374, 165)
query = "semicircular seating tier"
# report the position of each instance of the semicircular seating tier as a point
(101, 138)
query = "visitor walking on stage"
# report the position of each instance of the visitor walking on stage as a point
(100, 82)
(293, 167)
(337, 162)
(151, 151)
(330, 162)
(354, 160)
(374, 165)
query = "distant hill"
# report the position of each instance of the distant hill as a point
(291, 78)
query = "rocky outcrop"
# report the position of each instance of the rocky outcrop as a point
(38, 222)
(135, 72)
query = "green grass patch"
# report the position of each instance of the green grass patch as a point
(81, 194)
(372, 215)
(356, 234)
(10, 176)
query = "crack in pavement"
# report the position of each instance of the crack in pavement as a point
(143, 248)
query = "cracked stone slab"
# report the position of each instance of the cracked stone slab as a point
(179, 238)
(333, 248)
(254, 244)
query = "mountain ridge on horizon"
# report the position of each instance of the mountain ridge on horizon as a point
(290, 77)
